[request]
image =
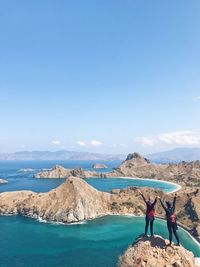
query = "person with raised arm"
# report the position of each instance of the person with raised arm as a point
(171, 219)
(150, 213)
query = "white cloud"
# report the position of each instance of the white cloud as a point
(197, 98)
(96, 143)
(146, 141)
(81, 143)
(56, 142)
(179, 138)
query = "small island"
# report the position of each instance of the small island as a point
(2, 181)
(60, 172)
(99, 166)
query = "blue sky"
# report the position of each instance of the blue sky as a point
(104, 76)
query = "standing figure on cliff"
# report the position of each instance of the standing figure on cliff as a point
(171, 219)
(150, 213)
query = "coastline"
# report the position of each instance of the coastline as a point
(184, 228)
(178, 187)
(40, 220)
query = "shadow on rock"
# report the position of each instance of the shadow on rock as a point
(155, 241)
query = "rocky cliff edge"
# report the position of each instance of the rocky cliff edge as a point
(154, 252)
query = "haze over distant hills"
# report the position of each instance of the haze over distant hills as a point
(59, 155)
(176, 155)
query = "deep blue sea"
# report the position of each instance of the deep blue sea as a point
(97, 243)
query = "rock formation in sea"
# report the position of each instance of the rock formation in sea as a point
(99, 166)
(147, 252)
(60, 172)
(3, 181)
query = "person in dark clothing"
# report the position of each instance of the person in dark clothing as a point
(150, 214)
(171, 219)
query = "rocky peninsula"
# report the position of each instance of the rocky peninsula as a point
(72, 201)
(185, 173)
(156, 254)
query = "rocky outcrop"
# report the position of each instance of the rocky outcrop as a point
(147, 252)
(136, 155)
(56, 172)
(60, 172)
(137, 166)
(99, 166)
(2, 181)
(73, 201)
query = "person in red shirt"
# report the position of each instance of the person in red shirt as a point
(171, 219)
(150, 213)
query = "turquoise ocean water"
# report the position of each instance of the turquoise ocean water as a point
(97, 243)
(20, 177)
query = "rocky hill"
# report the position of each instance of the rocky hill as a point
(147, 252)
(137, 166)
(60, 172)
(73, 201)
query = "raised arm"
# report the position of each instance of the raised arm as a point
(154, 203)
(163, 205)
(174, 203)
(143, 197)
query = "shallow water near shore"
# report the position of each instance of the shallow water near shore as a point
(97, 243)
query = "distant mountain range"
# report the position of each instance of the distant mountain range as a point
(176, 155)
(59, 155)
